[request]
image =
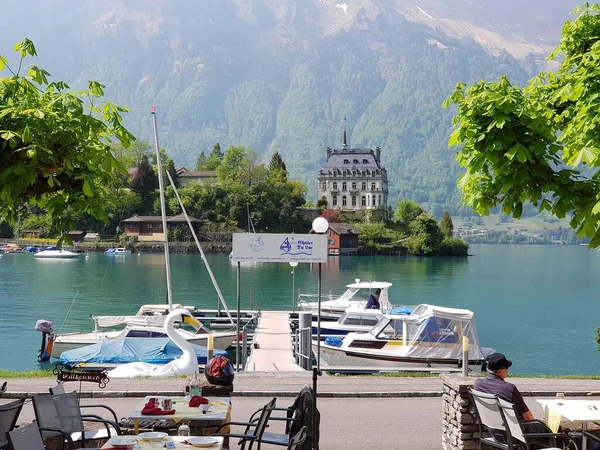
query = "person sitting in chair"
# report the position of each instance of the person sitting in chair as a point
(373, 302)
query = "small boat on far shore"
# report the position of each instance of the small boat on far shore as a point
(117, 251)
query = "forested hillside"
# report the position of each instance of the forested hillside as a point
(281, 75)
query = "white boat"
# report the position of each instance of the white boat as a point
(147, 323)
(430, 339)
(356, 319)
(56, 254)
(356, 294)
(117, 251)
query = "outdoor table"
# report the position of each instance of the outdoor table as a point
(146, 445)
(578, 411)
(218, 413)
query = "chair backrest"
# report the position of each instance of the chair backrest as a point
(59, 411)
(9, 412)
(487, 409)
(297, 440)
(511, 419)
(265, 414)
(26, 438)
(3, 387)
(58, 389)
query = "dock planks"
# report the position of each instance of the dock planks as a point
(274, 341)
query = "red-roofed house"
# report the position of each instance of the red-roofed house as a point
(149, 228)
(342, 239)
(199, 176)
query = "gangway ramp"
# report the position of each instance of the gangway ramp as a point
(273, 344)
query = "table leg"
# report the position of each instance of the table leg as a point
(583, 439)
(136, 426)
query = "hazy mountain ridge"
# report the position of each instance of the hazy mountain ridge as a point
(282, 75)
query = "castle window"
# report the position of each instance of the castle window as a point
(334, 200)
(380, 201)
(344, 200)
(356, 161)
(325, 186)
(363, 186)
(346, 161)
(368, 173)
(365, 161)
(354, 200)
(334, 187)
(354, 185)
(363, 173)
(344, 187)
(363, 200)
(373, 201)
(372, 186)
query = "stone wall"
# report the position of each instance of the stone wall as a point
(459, 421)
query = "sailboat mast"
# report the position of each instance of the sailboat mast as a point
(162, 209)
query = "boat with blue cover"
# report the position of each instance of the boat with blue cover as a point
(117, 251)
(128, 350)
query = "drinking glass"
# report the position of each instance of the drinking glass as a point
(560, 396)
(183, 430)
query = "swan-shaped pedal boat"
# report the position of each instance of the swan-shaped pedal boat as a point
(186, 364)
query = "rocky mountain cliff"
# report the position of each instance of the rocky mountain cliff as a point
(282, 74)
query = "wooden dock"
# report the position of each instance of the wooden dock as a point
(273, 344)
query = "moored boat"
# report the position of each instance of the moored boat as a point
(430, 339)
(117, 251)
(56, 254)
(356, 294)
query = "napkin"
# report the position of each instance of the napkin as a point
(150, 409)
(196, 400)
(553, 419)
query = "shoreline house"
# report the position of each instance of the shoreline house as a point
(196, 176)
(342, 239)
(353, 179)
(150, 229)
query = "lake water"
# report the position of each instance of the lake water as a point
(539, 305)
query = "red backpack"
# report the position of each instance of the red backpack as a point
(219, 370)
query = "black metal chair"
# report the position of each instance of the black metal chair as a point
(29, 438)
(62, 412)
(3, 388)
(9, 413)
(297, 440)
(60, 389)
(254, 428)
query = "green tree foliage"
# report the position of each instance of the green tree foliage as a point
(277, 172)
(446, 224)
(146, 181)
(407, 211)
(532, 144)
(131, 156)
(213, 161)
(426, 237)
(54, 144)
(201, 161)
(233, 166)
(170, 168)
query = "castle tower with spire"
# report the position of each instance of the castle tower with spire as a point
(353, 178)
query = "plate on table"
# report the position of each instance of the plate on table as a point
(202, 441)
(123, 442)
(152, 436)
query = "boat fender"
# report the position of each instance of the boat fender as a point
(333, 341)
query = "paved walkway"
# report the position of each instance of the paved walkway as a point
(273, 344)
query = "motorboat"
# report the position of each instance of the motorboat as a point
(356, 319)
(148, 322)
(356, 294)
(117, 251)
(430, 339)
(56, 254)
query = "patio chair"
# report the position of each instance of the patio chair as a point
(29, 438)
(517, 437)
(3, 388)
(298, 416)
(9, 412)
(255, 427)
(62, 412)
(488, 418)
(60, 389)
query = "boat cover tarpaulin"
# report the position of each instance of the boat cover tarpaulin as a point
(127, 350)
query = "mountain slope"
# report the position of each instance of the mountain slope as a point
(280, 75)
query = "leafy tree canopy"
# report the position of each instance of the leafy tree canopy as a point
(533, 143)
(446, 224)
(213, 161)
(407, 211)
(55, 144)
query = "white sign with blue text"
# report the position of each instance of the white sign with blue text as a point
(271, 247)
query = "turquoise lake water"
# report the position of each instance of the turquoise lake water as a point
(539, 305)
